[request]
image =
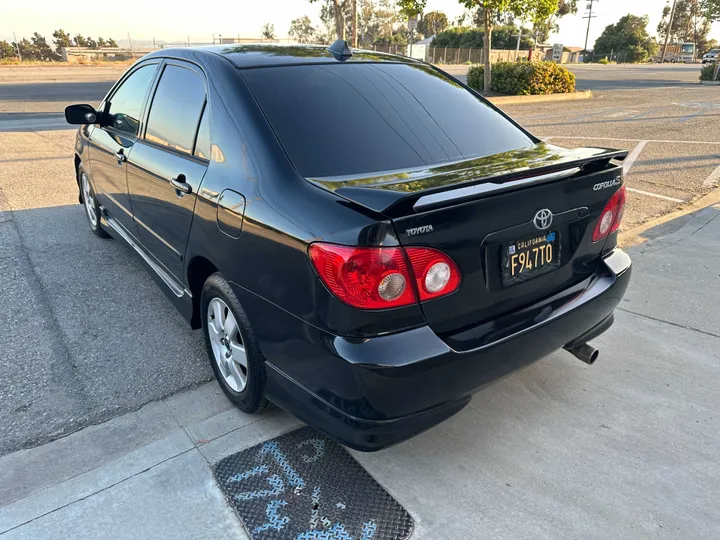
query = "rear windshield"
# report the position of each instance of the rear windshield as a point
(344, 119)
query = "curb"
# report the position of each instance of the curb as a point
(511, 100)
(634, 236)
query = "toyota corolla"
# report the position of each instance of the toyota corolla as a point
(362, 239)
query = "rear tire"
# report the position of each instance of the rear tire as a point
(235, 356)
(90, 204)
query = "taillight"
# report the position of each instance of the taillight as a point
(379, 277)
(364, 277)
(611, 216)
(436, 274)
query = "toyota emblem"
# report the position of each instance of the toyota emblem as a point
(543, 219)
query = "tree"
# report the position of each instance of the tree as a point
(687, 21)
(707, 47)
(543, 28)
(302, 30)
(492, 11)
(504, 37)
(27, 50)
(710, 9)
(112, 43)
(268, 31)
(690, 24)
(377, 20)
(101, 43)
(339, 10)
(7, 50)
(61, 39)
(628, 34)
(43, 51)
(433, 23)
(80, 41)
(411, 8)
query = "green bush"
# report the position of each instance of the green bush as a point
(706, 74)
(524, 78)
(603, 61)
(476, 77)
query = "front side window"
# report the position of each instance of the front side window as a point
(345, 119)
(176, 109)
(126, 103)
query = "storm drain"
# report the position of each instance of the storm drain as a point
(303, 486)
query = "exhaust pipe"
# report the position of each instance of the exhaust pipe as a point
(586, 353)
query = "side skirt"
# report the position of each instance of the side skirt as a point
(176, 292)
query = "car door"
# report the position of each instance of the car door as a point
(111, 143)
(166, 166)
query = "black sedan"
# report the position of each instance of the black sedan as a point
(363, 240)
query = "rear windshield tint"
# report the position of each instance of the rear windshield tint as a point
(356, 118)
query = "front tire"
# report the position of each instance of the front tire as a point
(92, 208)
(235, 356)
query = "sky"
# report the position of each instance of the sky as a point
(170, 20)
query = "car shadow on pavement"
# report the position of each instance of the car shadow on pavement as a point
(85, 332)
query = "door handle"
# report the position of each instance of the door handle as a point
(180, 185)
(120, 156)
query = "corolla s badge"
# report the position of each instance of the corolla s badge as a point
(608, 184)
(543, 219)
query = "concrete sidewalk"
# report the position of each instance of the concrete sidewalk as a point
(627, 448)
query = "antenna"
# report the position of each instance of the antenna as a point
(589, 16)
(340, 50)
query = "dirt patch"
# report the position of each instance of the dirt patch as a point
(39, 73)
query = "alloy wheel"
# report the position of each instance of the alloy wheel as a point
(227, 346)
(89, 200)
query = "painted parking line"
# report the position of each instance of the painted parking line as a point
(630, 161)
(649, 194)
(632, 157)
(713, 179)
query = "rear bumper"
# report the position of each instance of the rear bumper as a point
(372, 393)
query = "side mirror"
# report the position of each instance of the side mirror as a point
(81, 114)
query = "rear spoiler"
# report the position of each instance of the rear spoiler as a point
(423, 188)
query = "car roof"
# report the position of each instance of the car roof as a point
(253, 55)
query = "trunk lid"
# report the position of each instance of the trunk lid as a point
(473, 211)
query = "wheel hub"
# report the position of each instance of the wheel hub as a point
(227, 347)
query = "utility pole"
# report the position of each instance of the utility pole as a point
(17, 46)
(355, 23)
(589, 17)
(668, 30)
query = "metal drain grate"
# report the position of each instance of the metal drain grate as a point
(303, 486)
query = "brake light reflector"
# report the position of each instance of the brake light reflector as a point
(380, 277)
(611, 216)
(436, 274)
(364, 277)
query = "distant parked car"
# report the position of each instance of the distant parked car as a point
(711, 56)
(363, 240)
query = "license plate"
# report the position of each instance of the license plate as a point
(530, 257)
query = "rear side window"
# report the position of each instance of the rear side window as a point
(202, 144)
(176, 108)
(343, 119)
(127, 101)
